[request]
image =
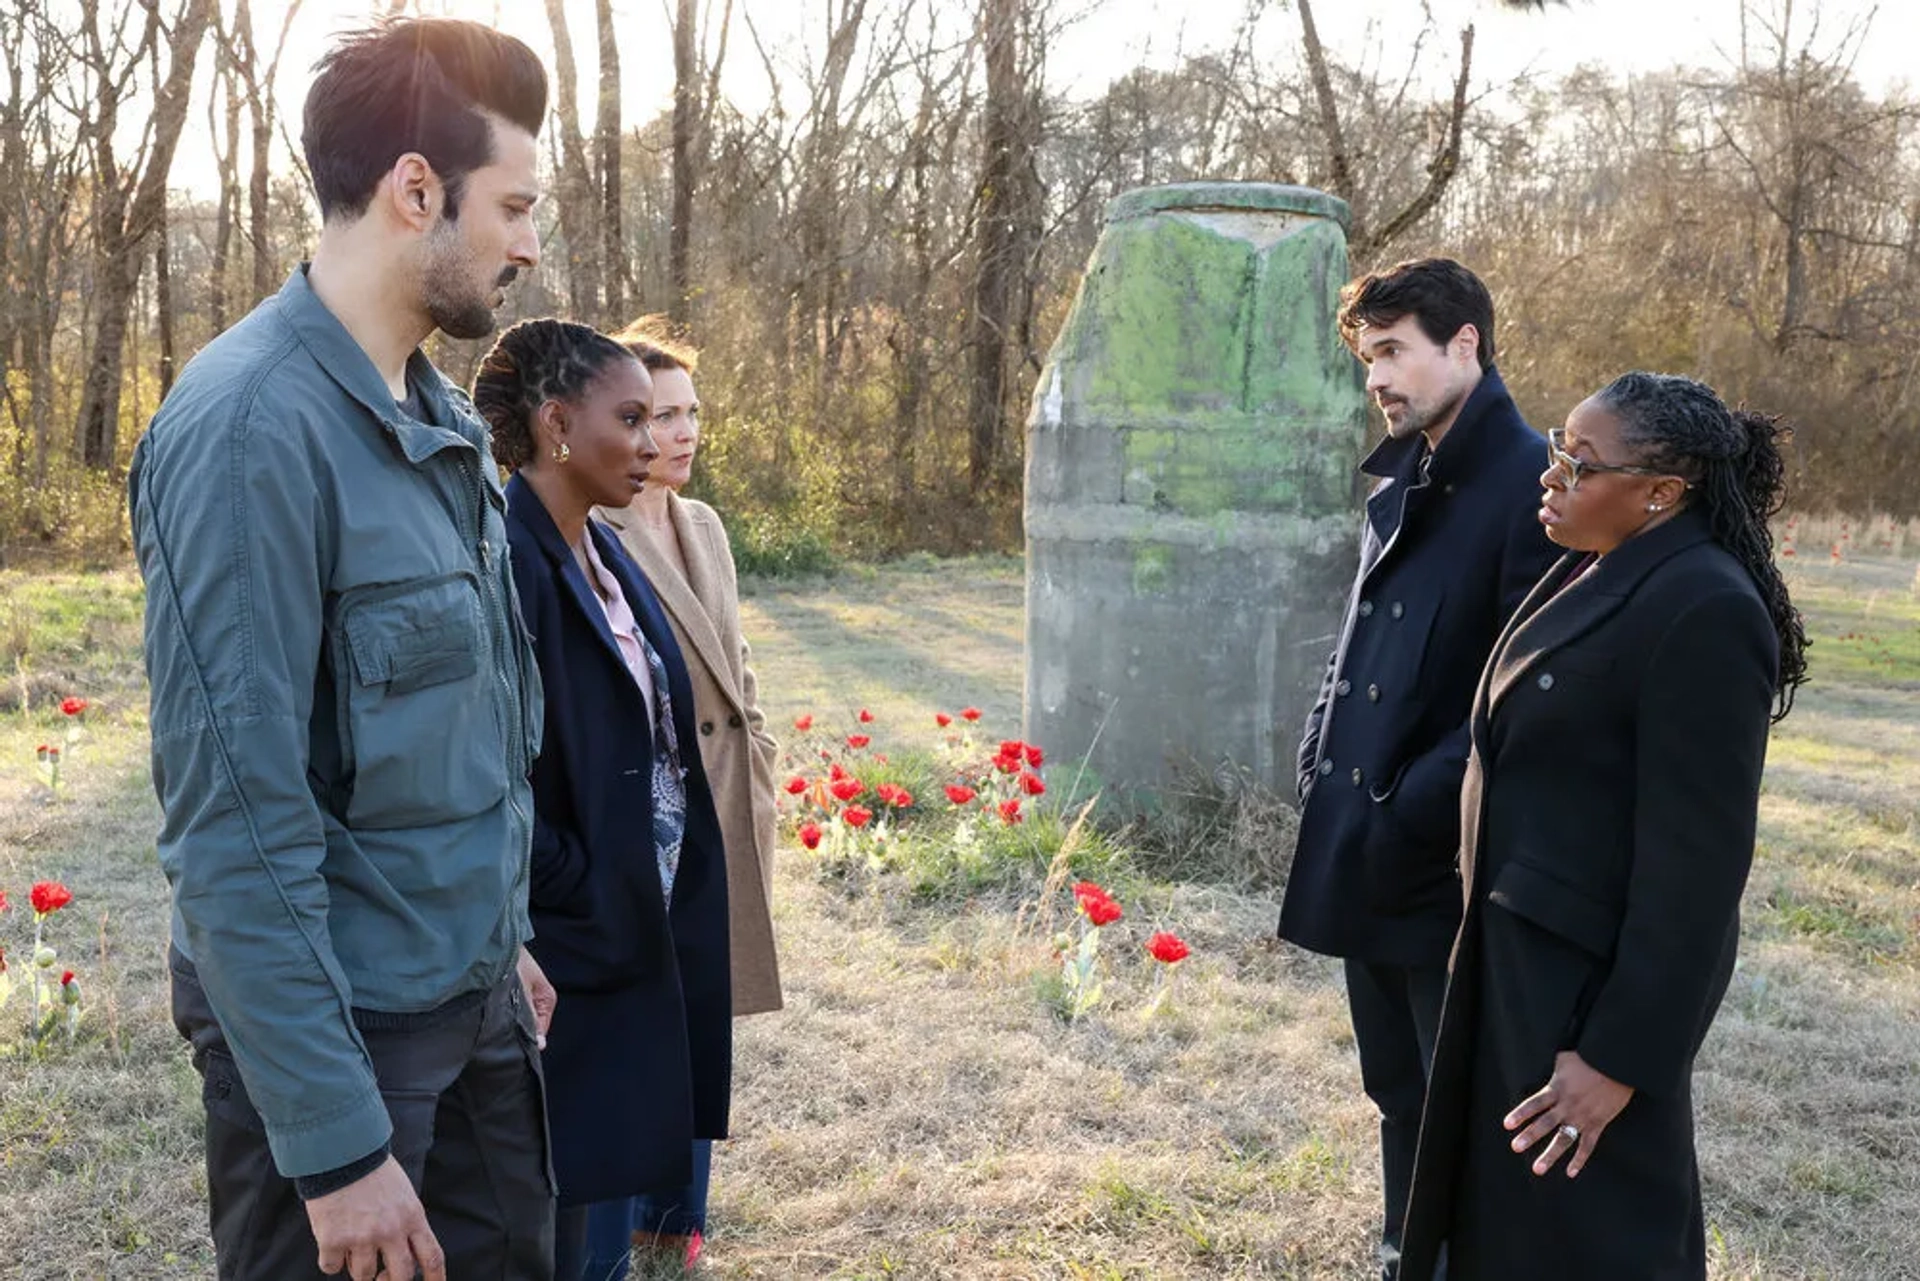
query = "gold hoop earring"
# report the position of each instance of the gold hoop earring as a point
(562, 452)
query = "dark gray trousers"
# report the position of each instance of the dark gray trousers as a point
(1396, 1016)
(462, 1084)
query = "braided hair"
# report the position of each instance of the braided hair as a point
(1732, 457)
(532, 363)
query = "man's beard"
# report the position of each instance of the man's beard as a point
(455, 311)
(1415, 420)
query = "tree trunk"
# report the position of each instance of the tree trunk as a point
(613, 242)
(1007, 158)
(576, 181)
(686, 110)
(163, 299)
(122, 239)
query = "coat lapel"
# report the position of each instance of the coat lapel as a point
(653, 625)
(1557, 614)
(681, 598)
(533, 514)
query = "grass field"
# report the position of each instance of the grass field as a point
(917, 1111)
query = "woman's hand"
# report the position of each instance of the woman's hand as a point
(1578, 1098)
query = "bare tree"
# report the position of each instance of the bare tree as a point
(619, 272)
(1006, 226)
(128, 201)
(576, 187)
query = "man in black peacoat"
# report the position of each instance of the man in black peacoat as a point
(1450, 547)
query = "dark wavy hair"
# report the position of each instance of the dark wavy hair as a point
(530, 364)
(1732, 457)
(1439, 293)
(414, 84)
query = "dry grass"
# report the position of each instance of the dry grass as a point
(917, 1111)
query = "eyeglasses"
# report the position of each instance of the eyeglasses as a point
(1571, 469)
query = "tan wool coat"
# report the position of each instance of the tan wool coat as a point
(738, 753)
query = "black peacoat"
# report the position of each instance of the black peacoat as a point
(1449, 549)
(638, 1060)
(1608, 824)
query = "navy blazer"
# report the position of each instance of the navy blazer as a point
(1447, 554)
(638, 1059)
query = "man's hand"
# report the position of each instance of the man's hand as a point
(376, 1228)
(1575, 1108)
(541, 998)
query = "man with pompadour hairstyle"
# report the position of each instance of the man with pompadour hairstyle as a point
(345, 704)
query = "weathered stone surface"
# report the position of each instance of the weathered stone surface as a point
(1190, 486)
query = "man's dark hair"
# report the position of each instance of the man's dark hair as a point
(415, 84)
(1438, 293)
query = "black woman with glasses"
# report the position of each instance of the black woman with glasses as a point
(1607, 830)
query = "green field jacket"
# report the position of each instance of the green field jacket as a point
(345, 707)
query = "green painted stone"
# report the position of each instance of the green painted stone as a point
(1190, 496)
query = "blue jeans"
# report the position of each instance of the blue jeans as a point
(601, 1250)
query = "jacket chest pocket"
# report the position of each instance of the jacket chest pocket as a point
(420, 721)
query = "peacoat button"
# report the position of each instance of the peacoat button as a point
(1344, 688)
(1373, 693)
(1546, 680)
(1326, 768)
(1358, 778)
(1399, 610)
(1366, 609)
(733, 721)
(706, 727)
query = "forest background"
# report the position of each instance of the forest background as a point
(872, 215)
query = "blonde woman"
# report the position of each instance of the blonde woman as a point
(683, 549)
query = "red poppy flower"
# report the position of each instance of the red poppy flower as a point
(848, 788)
(886, 792)
(856, 816)
(1032, 786)
(960, 793)
(3, 900)
(42, 751)
(1010, 811)
(1035, 757)
(1012, 747)
(803, 723)
(1007, 764)
(866, 717)
(1101, 911)
(796, 785)
(837, 773)
(1087, 890)
(858, 741)
(810, 835)
(942, 719)
(73, 706)
(899, 797)
(49, 896)
(969, 713)
(66, 977)
(1167, 948)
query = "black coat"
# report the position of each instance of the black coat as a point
(1444, 561)
(1608, 825)
(638, 1060)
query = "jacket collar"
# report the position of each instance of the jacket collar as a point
(1459, 449)
(346, 362)
(681, 598)
(1557, 613)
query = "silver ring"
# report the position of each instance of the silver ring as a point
(1571, 1133)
